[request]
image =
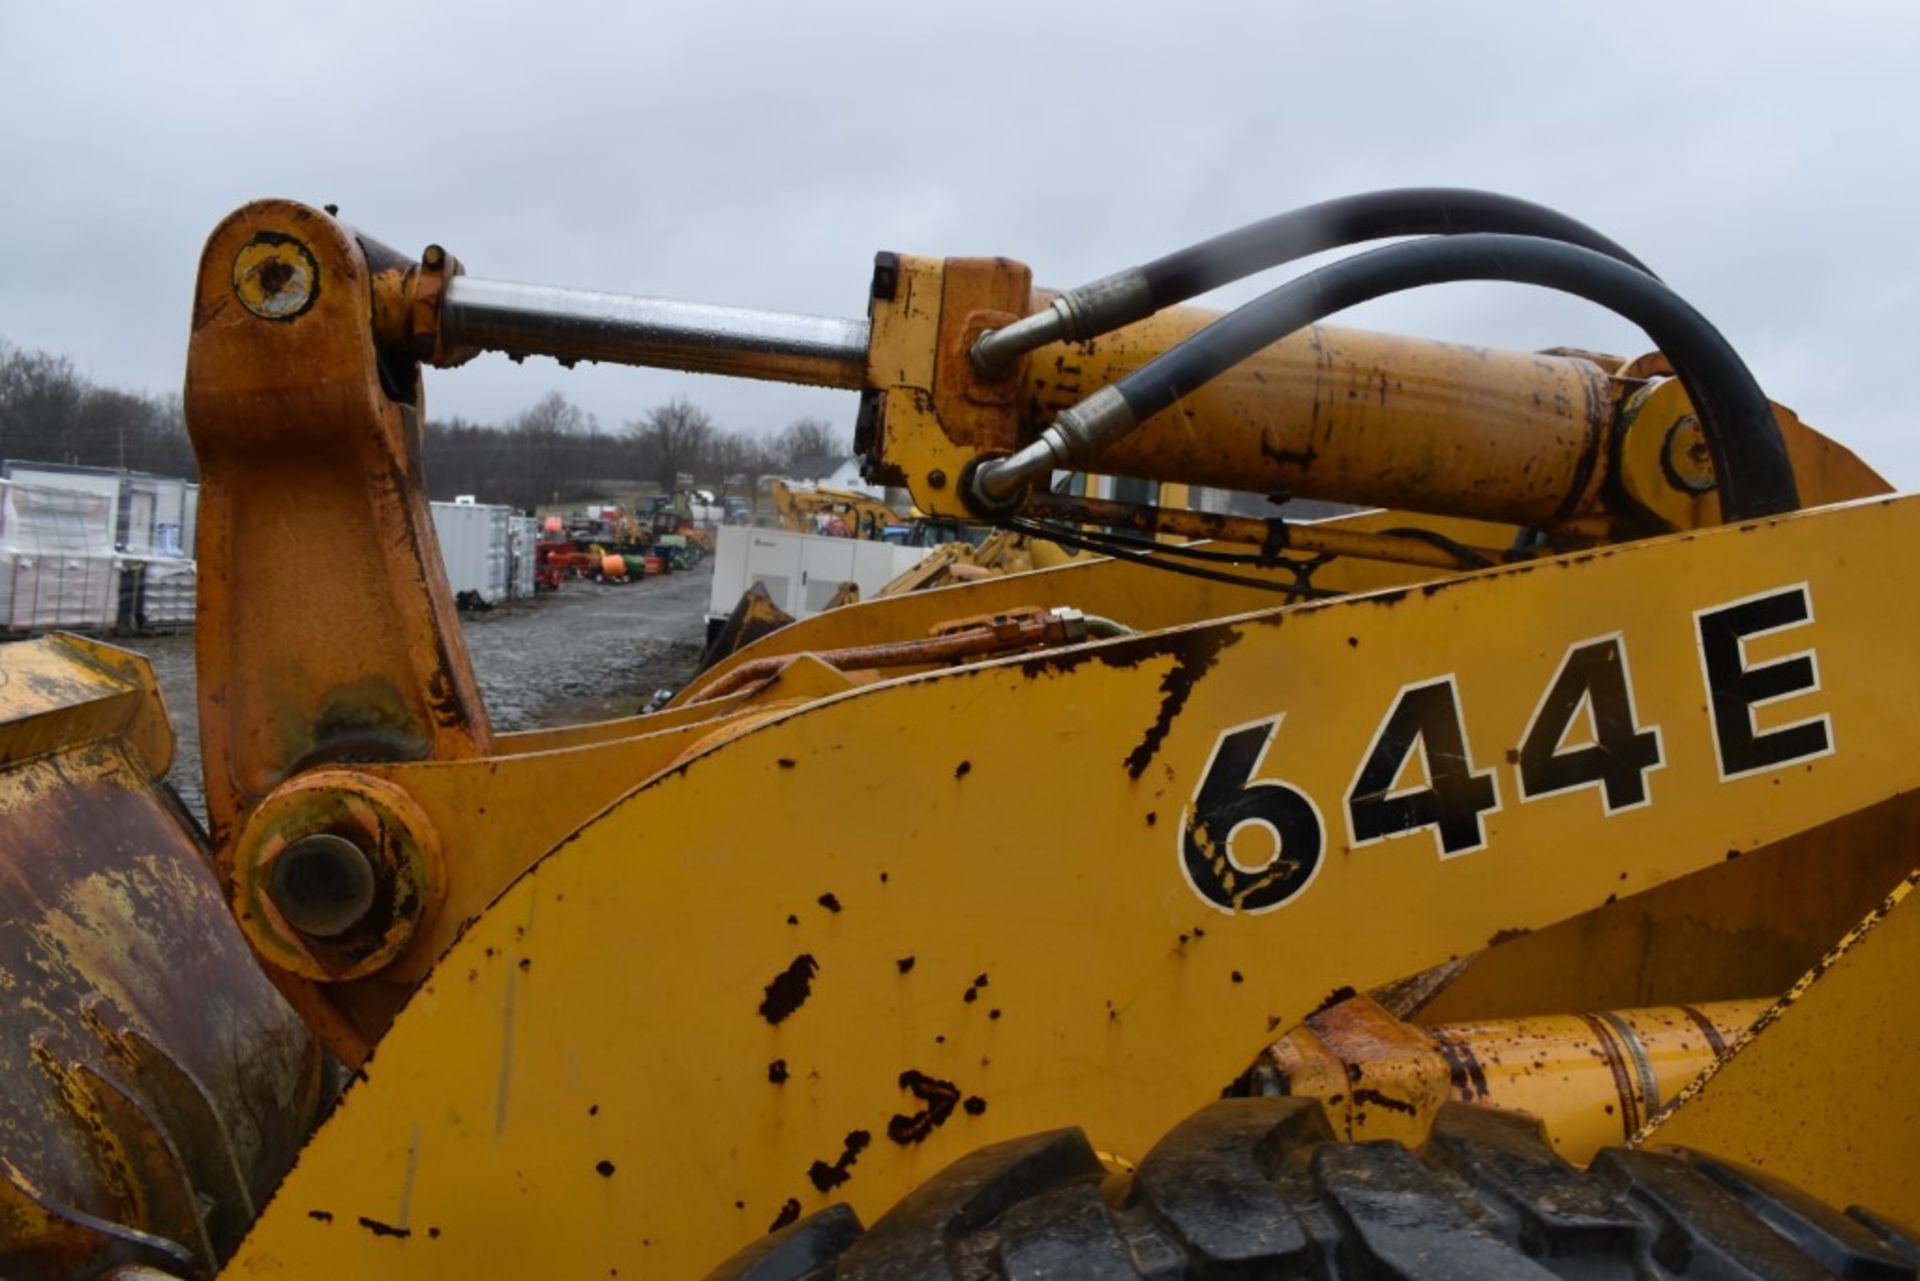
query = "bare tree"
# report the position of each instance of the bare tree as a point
(737, 454)
(40, 396)
(542, 436)
(673, 438)
(808, 438)
(551, 417)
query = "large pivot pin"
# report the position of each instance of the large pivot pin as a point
(275, 276)
(335, 873)
(323, 884)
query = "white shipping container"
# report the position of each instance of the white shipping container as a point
(801, 572)
(474, 540)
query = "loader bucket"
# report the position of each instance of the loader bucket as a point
(154, 1087)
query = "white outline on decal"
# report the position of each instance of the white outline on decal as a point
(1619, 640)
(1813, 661)
(1191, 809)
(1420, 744)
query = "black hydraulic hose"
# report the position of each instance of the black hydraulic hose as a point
(1126, 296)
(1351, 220)
(1453, 547)
(1749, 453)
(1183, 550)
(1069, 537)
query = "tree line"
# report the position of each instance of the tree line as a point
(555, 452)
(52, 413)
(552, 452)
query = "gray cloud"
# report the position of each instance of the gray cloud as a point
(1762, 157)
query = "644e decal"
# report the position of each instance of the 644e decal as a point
(1418, 772)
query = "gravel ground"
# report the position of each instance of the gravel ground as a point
(587, 652)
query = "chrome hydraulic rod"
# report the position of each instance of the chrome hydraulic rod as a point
(584, 324)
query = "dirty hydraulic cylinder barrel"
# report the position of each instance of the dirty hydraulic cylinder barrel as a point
(584, 324)
(1352, 416)
(1594, 1079)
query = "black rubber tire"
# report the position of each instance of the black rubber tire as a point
(1259, 1188)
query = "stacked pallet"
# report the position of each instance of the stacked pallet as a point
(57, 562)
(95, 549)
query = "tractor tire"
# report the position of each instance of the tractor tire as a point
(1259, 1187)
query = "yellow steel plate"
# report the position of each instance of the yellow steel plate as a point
(896, 924)
(1821, 1095)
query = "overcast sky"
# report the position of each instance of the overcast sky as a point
(1764, 158)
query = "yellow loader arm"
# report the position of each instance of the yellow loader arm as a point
(1535, 706)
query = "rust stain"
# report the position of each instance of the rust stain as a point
(789, 989)
(827, 1177)
(939, 1099)
(1463, 1066)
(1365, 1094)
(1196, 658)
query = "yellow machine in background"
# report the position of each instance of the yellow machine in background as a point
(1547, 811)
(803, 509)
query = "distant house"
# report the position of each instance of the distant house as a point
(836, 471)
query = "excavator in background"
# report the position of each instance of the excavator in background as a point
(1510, 877)
(822, 509)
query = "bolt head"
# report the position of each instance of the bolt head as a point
(1685, 458)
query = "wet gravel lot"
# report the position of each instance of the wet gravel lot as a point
(586, 652)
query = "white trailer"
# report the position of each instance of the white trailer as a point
(801, 572)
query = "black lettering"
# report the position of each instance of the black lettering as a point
(1617, 760)
(1734, 689)
(1225, 803)
(1424, 718)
